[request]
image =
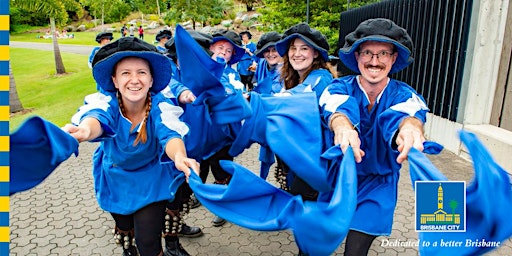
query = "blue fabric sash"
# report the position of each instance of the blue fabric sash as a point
(319, 227)
(37, 147)
(488, 202)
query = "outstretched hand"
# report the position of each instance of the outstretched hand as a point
(410, 134)
(186, 164)
(79, 133)
(346, 136)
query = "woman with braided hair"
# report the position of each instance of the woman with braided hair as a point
(141, 146)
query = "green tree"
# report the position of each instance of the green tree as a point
(324, 15)
(14, 100)
(56, 12)
(197, 10)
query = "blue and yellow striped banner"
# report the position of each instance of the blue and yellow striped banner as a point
(4, 128)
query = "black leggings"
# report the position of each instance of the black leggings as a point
(212, 163)
(247, 81)
(147, 223)
(358, 243)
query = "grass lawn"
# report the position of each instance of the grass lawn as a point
(42, 93)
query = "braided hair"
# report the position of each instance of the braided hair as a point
(142, 136)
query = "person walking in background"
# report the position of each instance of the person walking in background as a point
(141, 148)
(247, 64)
(132, 30)
(124, 30)
(102, 39)
(380, 118)
(141, 33)
(162, 37)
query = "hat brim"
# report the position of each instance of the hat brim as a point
(259, 52)
(283, 44)
(239, 51)
(160, 68)
(403, 60)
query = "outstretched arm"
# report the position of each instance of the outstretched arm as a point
(88, 129)
(346, 135)
(410, 134)
(175, 149)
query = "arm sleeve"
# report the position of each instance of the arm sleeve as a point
(98, 105)
(337, 98)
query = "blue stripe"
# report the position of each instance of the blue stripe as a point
(4, 10)
(4, 219)
(4, 160)
(4, 98)
(4, 37)
(4, 188)
(4, 128)
(4, 247)
(4, 68)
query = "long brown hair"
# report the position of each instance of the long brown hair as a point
(142, 136)
(292, 78)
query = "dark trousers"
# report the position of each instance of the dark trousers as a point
(247, 81)
(147, 224)
(221, 176)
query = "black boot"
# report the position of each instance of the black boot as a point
(174, 248)
(190, 232)
(126, 240)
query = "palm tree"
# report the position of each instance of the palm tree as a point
(54, 9)
(453, 205)
(14, 100)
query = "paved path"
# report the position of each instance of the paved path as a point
(79, 49)
(61, 217)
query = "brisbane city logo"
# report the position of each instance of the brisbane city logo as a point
(440, 206)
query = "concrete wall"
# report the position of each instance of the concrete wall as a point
(479, 86)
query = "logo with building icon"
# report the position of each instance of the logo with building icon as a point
(440, 206)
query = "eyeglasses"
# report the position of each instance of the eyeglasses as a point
(382, 56)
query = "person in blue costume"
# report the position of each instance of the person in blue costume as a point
(269, 63)
(226, 48)
(380, 118)
(184, 96)
(141, 146)
(246, 65)
(305, 69)
(102, 38)
(162, 37)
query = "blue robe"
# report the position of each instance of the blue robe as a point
(378, 173)
(128, 177)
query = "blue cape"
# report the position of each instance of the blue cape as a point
(37, 148)
(319, 227)
(488, 201)
(301, 151)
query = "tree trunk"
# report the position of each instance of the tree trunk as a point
(59, 65)
(14, 100)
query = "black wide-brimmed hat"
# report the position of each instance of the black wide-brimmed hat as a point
(311, 36)
(234, 39)
(380, 30)
(163, 33)
(101, 35)
(202, 38)
(267, 40)
(109, 55)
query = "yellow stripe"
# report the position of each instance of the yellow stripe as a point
(4, 203)
(4, 83)
(4, 22)
(4, 143)
(4, 52)
(4, 113)
(4, 234)
(4, 173)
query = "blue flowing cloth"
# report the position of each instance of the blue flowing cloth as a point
(37, 147)
(301, 150)
(488, 202)
(319, 227)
